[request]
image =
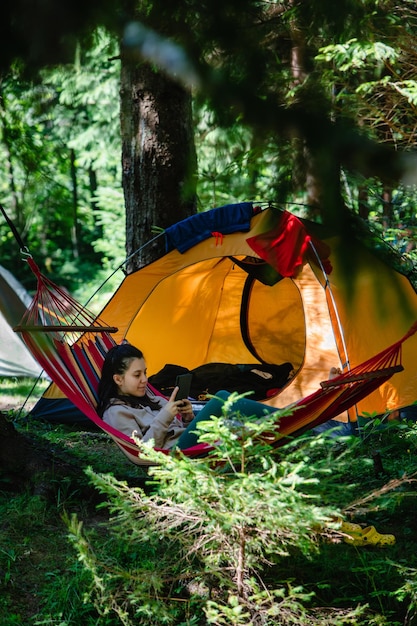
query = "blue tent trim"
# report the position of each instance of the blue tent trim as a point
(226, 219)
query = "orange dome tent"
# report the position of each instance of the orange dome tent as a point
(243, 285)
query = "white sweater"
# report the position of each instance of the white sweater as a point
(145, 422)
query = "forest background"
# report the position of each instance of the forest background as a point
(296, 104)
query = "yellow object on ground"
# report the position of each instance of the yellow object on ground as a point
(369, 536)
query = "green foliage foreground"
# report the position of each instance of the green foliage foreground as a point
(245, 536)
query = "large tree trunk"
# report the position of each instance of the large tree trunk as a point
(158, 156)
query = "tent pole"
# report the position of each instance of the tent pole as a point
(327, 287)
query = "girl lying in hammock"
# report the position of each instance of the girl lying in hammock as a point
(126, 403)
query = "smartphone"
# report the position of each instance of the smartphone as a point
(183, 381)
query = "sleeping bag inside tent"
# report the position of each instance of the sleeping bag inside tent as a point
(240, 285)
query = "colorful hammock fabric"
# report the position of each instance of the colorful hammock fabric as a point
(70, 343)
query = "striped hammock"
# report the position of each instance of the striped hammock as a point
(70, 343)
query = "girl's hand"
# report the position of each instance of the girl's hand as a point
(186, 411)
(183, 407)
(172, 408)
(173, 405)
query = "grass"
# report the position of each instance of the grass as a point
(42, 582)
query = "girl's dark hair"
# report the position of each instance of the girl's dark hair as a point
(117, 361)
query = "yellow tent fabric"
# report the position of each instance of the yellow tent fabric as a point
(199, 306)
(380, 306)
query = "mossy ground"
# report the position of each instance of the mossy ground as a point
(42, 582)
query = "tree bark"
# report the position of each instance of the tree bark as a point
(158, 157)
